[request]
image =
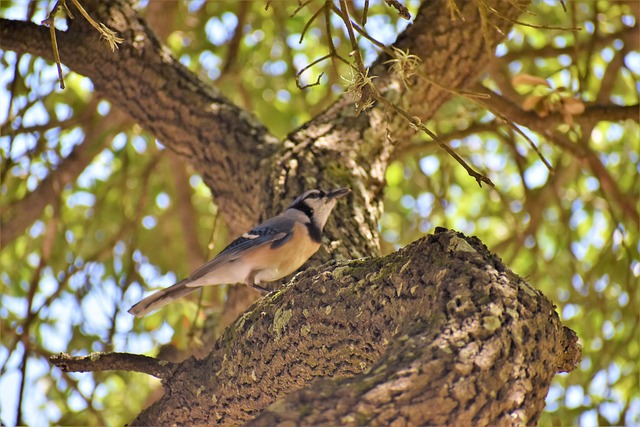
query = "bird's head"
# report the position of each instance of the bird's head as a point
(318, 204)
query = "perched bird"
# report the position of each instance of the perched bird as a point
(270, 251)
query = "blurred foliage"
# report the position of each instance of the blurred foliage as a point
(136, 218)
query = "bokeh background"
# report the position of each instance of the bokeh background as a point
(124, 216)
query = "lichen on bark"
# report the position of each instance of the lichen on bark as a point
(438, 333)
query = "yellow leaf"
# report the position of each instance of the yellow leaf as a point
(530, 102)
(573, 106)
(527, 79)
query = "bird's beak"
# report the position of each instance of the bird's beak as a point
(340, 192)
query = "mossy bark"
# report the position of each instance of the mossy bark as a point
(438, 333)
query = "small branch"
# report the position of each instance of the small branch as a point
(49, 22)
(362, 31)
(106, 33)
(519, 131)
(96, 362)
(400, 8)
(299, 73)
(301, 6)
(416, 124)
(352, 37)
(309, 22)
(365, 12)
(234, 44)
(526, 24)
(592, 114)
(546, 127)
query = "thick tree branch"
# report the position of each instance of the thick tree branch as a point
(184, 113)
(419, 332)
(158, 368)
(592, 114)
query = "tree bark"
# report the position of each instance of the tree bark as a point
(438, 333)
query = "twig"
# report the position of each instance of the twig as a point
(49, 22)
(309, 22)
(361, 82)
(580, 151)
(454, 10)
(327, 23)
(365, 12)
(362, 31)
(95, 362)
(402, 9)
(484, 27)
(300, 7)
(418, 125)
(106, 33)
(526, 24)
(482, 90)
(299, 73)
(234, 43)
(352, 37)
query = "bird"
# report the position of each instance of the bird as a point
(270, 251)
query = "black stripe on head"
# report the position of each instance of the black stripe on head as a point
(299, 203)
(311, 194)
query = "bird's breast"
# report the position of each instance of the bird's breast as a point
(290, 256)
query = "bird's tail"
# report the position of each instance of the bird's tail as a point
(160, 298)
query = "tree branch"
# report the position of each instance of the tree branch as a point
(184, 113)
(18, 216)
(158, 368)
(404, 328)
(591, 115)
(546, 126)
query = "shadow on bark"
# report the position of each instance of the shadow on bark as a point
(438, 333)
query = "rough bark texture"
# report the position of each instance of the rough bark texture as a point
(439, 333)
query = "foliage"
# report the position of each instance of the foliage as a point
(121, 226)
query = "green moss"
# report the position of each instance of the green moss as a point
(305, 330)
(280, 321)
(491, 323)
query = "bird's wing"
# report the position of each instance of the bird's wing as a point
(259, 236)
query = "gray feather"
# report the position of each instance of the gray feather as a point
(161, 298)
